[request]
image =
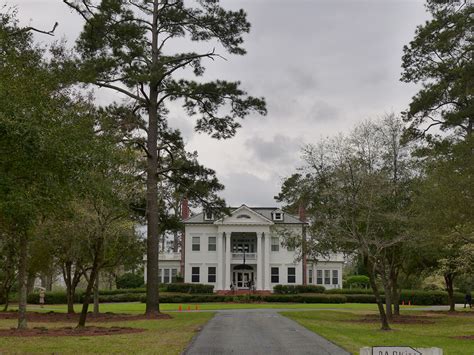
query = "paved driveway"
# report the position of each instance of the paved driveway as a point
(258, 332)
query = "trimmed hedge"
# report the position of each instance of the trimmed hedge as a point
(120, 291)
(295, 289)
(189, 288)
(206, 298)
(350, 291)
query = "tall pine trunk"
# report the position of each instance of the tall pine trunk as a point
(23, 280)
(152, 285)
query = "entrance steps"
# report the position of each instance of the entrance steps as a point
(243, 292)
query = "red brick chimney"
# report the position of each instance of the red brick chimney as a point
(302, 213)
(184, 209)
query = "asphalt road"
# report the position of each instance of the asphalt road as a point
(258, 332)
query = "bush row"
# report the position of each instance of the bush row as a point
(205, 298)
(294, 289)
(188, 288)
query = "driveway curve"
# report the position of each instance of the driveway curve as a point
(258, 332)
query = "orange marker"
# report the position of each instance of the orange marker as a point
(180, 308)
(189, 308)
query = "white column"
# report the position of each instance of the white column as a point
(267, 262)
(220, 262)
(228, 253)
(259, 261)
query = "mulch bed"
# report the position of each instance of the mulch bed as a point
(465, 337)
(403, 319)
(68, 331)
(64, 317)
(458, 313)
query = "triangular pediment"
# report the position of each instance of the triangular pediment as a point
(244, 215)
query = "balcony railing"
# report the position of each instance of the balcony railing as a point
(248, 256)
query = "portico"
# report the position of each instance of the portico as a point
(244, 236)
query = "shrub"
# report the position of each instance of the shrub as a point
(129, 280)
(295, 289)
(357, 281)
(124, 297)
(189, 288)
(360, 298)
(249, 298)
(349, 291)
(122, 291)
(428, 298)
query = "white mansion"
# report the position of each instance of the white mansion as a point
(242, 249)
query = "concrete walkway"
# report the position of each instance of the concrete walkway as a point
(258, 331)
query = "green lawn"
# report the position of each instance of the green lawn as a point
(353, 336)
(169, 336)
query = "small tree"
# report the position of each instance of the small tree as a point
(357, 193)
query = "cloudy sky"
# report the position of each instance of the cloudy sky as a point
(322, 66)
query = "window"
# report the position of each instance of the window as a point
(291, 275)
(211, 274)
(160, 274)
(290, 247)
(195, 274)
(174, 273)
(319, 277)
(277, 216)
(335, 278)
(243, 216)
(275, 275)
(310, 276)
(166, 279)
(327, 277)
(208, 215)
(211, 244)
(196, 244)
(275, 244)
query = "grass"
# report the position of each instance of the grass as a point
(168, 336)
(352, 336)
(172, 336)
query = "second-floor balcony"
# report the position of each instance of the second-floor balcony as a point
(240, 256)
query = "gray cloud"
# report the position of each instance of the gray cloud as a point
(249, 189)
(279, 150)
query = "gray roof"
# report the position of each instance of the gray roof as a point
(264, 211)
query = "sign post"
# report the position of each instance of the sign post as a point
(399, 350)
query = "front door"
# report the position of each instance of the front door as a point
(242, 279)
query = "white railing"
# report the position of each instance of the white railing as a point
(248, 256)
(170, 256)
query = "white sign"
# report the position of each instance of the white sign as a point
(394, 350)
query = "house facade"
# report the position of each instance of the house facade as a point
(245, 250)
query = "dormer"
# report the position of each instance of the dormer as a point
(208, 215)
(277, 215)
